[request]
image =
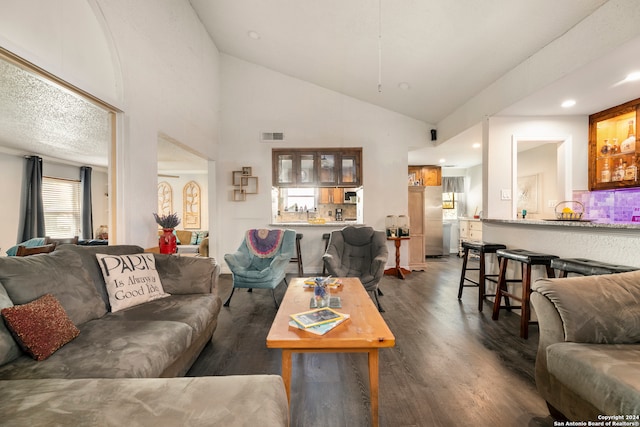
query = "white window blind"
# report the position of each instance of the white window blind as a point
(61, 199)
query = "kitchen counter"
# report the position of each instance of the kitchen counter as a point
(616, 243)
(332, 224)
(557, 223)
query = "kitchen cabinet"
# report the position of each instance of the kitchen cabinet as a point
(470, 229)
(294, 169)
(331, 196)
(425, 175)
(417, 256)
(613, 152)
(340, 167)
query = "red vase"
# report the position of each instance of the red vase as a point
(168, 241)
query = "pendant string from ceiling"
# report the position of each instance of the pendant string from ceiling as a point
(379, 46)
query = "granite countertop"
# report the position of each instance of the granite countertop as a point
(306, 224)
(559, 223)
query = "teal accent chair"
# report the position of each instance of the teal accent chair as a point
(250, 271)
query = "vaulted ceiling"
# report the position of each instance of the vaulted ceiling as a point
(430, 57)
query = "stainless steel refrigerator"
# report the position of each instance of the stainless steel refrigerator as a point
(433, 242)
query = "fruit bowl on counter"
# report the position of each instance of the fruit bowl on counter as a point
(569, 211)
(316, 220)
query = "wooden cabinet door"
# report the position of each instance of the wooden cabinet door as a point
(306, 163)
(350, 169)
(432, 175)
(331, 196)
(417, 260)
(328, 169)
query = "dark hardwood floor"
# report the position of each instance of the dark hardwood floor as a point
(451, 366)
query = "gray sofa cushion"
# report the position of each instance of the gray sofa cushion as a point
(185, 275)
(115, 349)
(60, 273)
(194, 310)
(605, 375)
(596, 309)
(87, 255)
(9, 349)
(231, 401)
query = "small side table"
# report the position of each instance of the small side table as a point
(397, 270)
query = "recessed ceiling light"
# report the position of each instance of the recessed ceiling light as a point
(568, 103)
(631, 77)
(254, 35)
(477, 145)
(404, 85)
(443, 160)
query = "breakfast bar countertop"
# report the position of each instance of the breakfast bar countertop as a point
(566, 223)
(333, 224)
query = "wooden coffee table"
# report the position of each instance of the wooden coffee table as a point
(364, 332)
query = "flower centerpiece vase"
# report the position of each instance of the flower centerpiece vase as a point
(168, 242)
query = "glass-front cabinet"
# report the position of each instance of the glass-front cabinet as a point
(350, 169)
(284, 165)
(327, 169)
(317, 168)
(613, 153)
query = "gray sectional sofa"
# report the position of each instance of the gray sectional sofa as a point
(121, 368)
(588, 362)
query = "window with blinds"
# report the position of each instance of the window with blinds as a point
(61, 199)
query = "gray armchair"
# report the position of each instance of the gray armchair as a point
(358, 252)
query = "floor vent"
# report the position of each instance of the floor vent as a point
(272, 136)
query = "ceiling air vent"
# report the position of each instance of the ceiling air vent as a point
(272, 136)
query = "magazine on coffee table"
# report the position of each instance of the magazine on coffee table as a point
(320, 329)
(315, 317)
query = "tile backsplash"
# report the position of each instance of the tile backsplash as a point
(610, 205)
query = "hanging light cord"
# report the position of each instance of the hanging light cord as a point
(379, 46)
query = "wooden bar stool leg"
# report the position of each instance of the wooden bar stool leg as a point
(551, 273)
(482, 286)
(502, 284)
(526, 309)
(465, 257)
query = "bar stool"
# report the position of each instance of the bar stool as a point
(482, 248)
(587, 267)
(298, 257)
(527, 259)
(325, 237)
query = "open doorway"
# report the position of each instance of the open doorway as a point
(541, 175)
(183, 183)
(45, 116)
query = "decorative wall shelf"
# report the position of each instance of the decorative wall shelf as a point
(245, 183)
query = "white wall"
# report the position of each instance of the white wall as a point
(542, 163)
(256, 99)
(498, 156)
(11, 169)
(152, 59)
(473, 184)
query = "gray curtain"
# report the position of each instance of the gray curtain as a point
(86, 214)
(32, 217)
(453, 184)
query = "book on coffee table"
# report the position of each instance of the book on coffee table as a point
(317, 316)
(320, 329)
